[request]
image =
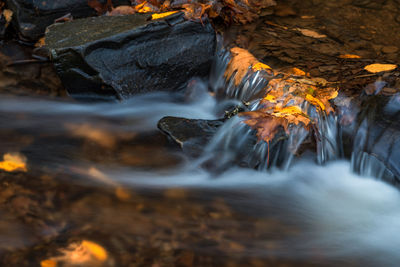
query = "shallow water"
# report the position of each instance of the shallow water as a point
(308, 215)
(103, 172)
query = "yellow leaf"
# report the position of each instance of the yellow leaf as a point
(297, 72)
(349, 56)
(97, 251)
(48, 263)
(162, 15)
(260, 66)
(288, 110)
(270, 98)
(375, 68)
(315, 101)
(13, 162)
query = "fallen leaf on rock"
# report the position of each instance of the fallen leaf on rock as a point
(349, 56)
(13, 162)
(240, 63)
(375, 68)
(284, 96)
(310, 33)
(162, 15)
(260, 66)
(296, 71)
(266, 125)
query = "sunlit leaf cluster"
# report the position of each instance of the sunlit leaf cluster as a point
(286, 98)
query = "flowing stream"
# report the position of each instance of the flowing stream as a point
(310, 210)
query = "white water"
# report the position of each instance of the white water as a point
(343, 216)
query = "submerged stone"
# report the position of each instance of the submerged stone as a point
(33, 16)
(191, 134)
(125, 55)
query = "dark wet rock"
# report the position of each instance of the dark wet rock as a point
(126, 55)
(372, 140)
(191, 134)
(32, 16)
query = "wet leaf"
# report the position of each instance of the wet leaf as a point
(349, 56)
(310, 33)
(267, 125)
(13, 162)
(260, 66)
(241, 62)
(375, 68)
(48, 263)
(162, 15)
(285, 94)
(297, 72)
(238, 11)
(95, 249)
(84, 253)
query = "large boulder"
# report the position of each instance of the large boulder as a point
(33, 16)
(124, 55)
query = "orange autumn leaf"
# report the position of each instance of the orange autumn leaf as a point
(240, 63)
(48, 263)
(238, 11)
(284, 94)
(297, 72)
(375, 68)
(162, 15)
(260, 66)
(310, 33)
(266, 125)
(13, 162)
(95, 249)
(84, 253)
(315, 101)
(349, 56)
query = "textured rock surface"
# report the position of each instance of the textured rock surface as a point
(33, 16)
(125, 55)
(191, 134)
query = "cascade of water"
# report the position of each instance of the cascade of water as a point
(362, 161)
(327, 135)
(236, 142)
(248, 89)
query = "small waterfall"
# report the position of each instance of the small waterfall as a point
(363, 160)
(248, 89)
(236, 141)
(327, 136)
